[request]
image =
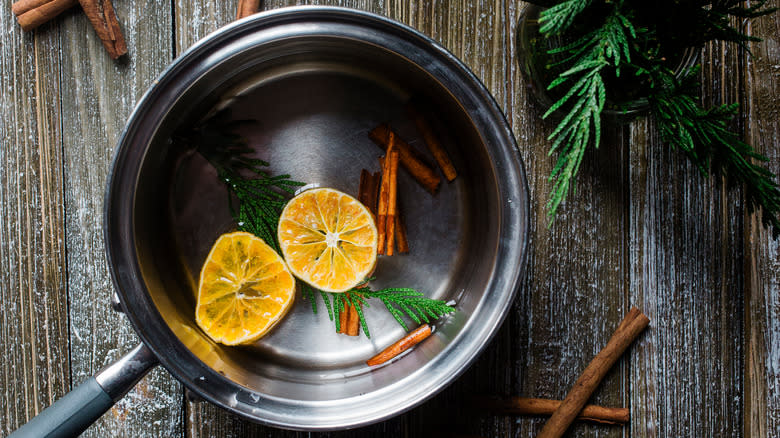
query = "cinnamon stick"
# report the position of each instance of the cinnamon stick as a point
(384, 193)
(420, 171)
(32, 13)
(101, 15)
(628, 330)
(400, 233)
(403, 344)
(22, 6)
(432, 141)
(353, 321)
(373, 191)
(349, 320)
(343, 319)
(392, 197)
(363, 187)
(546, 407)
(247, 8)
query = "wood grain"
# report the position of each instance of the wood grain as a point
(642, 229)
(762, 289)
(574, 293)
(686, 275)
(98, 95)
(34, 320)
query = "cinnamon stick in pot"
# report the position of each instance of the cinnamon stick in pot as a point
(403, 344)
(392, 199)
(400, 233)
(432, 141)
(421, 172)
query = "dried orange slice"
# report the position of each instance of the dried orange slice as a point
(244, 290)
(328, 239)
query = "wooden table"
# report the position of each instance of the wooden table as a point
(643, 229)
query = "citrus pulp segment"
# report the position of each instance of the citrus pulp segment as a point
(245, 288)
(328, 239)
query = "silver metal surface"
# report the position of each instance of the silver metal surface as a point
(316, 79)
(119, 377)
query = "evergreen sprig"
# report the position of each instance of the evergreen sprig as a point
(600, 39)
(559, 17)
(400, 302)
(260, 196)
(584, 102)
(703, 135)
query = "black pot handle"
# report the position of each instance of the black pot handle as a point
(76, 410)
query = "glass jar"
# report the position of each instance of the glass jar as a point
(535, 64)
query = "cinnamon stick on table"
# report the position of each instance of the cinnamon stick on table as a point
(628, 330)
(33, 13)
(101, 15)
(432, 141)
(542, 406)
(403, 344)
(247, 8)
(424, 174)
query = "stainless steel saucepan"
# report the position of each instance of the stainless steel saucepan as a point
(316, 80)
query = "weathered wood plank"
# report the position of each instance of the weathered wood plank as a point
(98, 95)
(34, 320)
(686, 274)
(574, 293)
(762, 293)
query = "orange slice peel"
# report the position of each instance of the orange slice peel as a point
(245, 289)
(328, 239)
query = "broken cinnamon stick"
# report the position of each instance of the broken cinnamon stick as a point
(33, 13)
(353, 321)
(420, 171)
(432, 141)
(400, 233)
(247, 8)
(628, 330)
(403, 344)
(343, 320)
(392, 197)
(101, 15)
(546, 407)
(349, 320)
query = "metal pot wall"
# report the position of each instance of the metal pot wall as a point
(315, 79)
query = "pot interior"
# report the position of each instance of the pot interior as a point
(313, 99)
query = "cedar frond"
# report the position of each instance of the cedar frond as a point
(703, 135)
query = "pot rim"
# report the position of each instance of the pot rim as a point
(202, 380)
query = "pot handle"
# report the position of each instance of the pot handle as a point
(76, 410)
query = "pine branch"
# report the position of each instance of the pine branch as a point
(703, 135)
(400, 302)
(260, 196)
(557, 19)
(607, 46)
(408, 302)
